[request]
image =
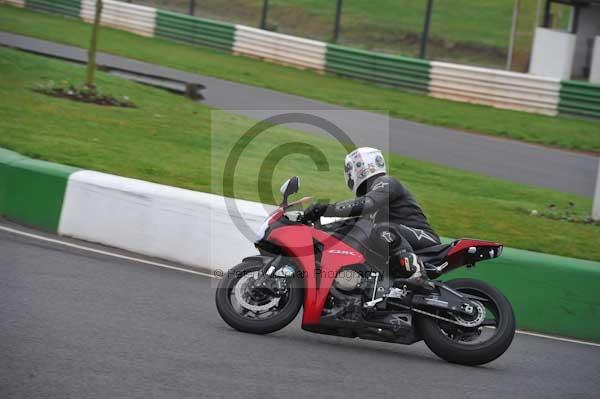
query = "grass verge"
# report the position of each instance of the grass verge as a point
(562, 132)
(474, 31)
(167, 139)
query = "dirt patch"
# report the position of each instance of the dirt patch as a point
(84, 94)
(566, 213)
(408, 43)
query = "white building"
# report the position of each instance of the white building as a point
(572, 53)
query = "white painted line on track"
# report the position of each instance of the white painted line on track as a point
(107, 253)
(162, 265)
(571, 340)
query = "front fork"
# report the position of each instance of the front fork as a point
(274, 275)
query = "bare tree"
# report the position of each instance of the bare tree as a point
(91, 67)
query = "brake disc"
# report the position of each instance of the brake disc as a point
(241, 295)
(475, 321)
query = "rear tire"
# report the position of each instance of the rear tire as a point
(265, 326)
(471, 355)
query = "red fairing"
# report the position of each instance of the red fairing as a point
(275, 216)
(297, 241)
(458, 255)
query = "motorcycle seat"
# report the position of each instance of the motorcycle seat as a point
(435, 254)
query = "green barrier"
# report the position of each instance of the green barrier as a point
(408, 73)
(70, 8)
(32, 191)
(194, 30)
(550, 294)
(580, 99)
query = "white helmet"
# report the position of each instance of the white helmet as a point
(361, 164)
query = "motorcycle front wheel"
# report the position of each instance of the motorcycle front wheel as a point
(477, 345)
(247, 309)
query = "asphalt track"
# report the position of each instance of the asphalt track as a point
(517, 161)
(75, 324)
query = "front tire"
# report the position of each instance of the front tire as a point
(441, 343)
(282, 317)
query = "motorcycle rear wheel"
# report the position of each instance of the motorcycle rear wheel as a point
(442, 343)
(286, 311)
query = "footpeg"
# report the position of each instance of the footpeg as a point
(398, 293)
(372, 303)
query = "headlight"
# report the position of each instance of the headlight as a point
(275, 216)
(260, 233)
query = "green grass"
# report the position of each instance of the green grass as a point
(461, 30)
(167, 139)
(568, 133)
(463, 20)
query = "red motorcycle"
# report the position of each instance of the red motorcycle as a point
(347, 292)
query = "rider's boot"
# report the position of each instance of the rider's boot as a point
(418, 281)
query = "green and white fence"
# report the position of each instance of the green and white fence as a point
(493, 87)
(16, 3)
(408, 73)
(194, 30)
(133, 18)
(69, 8)
(508, 90)
(281, 49)
(577, 98)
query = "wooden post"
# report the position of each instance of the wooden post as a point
(338, 18)
(91, 67)
(513, 33)
(264, 15)
(548, 14)
(425, 34)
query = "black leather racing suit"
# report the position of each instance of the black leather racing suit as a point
(399, 224)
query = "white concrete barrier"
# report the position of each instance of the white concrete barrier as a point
(279, 48)
(184, 226)
(16, 3)
(116, 14)
(501, 89)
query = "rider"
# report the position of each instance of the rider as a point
(399, 223)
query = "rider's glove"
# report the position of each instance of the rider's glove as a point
(314, 212)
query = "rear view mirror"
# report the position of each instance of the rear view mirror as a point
(290, 187)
